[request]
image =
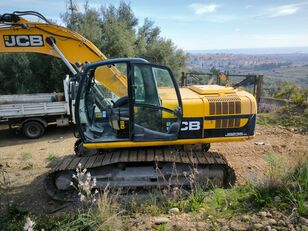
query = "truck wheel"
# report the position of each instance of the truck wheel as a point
(33, 129)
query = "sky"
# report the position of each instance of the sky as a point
(205, 25)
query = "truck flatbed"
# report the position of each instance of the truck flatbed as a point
(32, 109)
(31, 113)
(17, 106)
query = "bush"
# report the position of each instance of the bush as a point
(287, 90)
(291, 117)
(283, 189)
(298, 187)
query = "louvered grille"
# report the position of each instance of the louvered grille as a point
(227, 123)
(225, 105)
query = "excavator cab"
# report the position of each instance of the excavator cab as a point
(150, 110)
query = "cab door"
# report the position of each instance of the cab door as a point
(156, 103)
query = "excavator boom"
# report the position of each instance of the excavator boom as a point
(20, 35)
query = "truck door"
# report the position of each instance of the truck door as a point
(156, 103)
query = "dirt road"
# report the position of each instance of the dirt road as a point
(26, 162)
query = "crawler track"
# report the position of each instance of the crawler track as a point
(208, 162)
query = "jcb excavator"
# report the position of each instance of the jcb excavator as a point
(137, 128)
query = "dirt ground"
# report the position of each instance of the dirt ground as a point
(27, 162)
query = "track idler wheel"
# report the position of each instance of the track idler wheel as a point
(80, 150)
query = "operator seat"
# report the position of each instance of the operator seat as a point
(122, 102)
(119, 111)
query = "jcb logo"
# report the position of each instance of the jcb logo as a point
(23, 40)
(191, 125)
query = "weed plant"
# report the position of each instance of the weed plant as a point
(26, 156)
(51, 157)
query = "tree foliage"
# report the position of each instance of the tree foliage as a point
(88, 23)
(114, 30)
(30, 73)
(122, 36)
(296, 94)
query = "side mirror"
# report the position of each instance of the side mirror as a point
(178, 112)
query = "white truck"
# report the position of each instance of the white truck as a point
(32, 113)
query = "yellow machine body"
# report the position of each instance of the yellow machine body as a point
(225, 115)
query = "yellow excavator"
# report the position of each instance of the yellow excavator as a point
(136, 127)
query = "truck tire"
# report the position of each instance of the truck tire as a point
(33, 129)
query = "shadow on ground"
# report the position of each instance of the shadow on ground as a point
(12, 137)
(32, 197)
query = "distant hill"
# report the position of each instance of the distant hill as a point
(275, 67)
(254, 51)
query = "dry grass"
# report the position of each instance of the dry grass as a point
(108, 213)
(104, 216)
(100, 212)
(5, 188)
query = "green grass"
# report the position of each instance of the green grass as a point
(297, 192)
(26, 155)
(161, 227)
(92, 219)
(151, 205)
(51, 157)
(104, 216)
(226, 203)
(289, 117)
(15, 219)
(192, 203)
(281, 188)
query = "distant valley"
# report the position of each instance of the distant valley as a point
(275, 67)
